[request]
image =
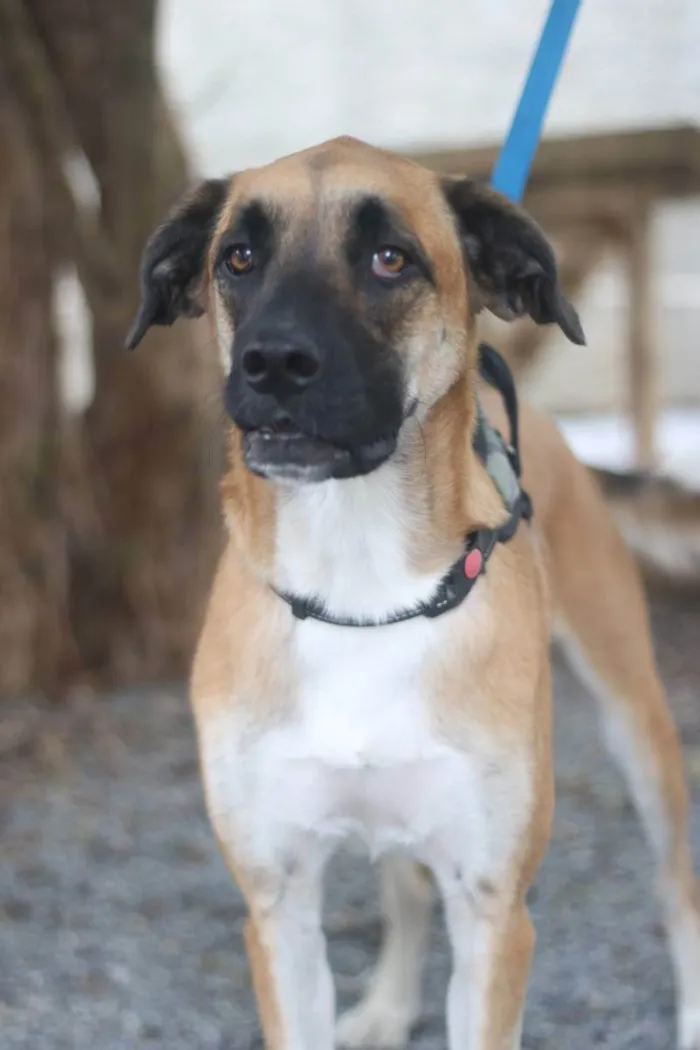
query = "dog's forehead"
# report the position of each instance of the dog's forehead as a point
(323, 181)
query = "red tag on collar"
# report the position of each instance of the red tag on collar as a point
(473, 564)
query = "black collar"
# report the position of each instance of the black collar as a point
(502, 461)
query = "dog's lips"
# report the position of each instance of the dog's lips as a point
(281, 450)
(282, 427)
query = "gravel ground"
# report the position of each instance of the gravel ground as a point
(121, 928)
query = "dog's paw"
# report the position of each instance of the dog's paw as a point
(374, 1023)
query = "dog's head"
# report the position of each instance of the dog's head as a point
(343, 282)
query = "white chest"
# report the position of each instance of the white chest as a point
(359, 754)
(362, 758)
(359, 760)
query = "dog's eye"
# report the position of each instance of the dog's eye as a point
(389, 262)
(239, 259)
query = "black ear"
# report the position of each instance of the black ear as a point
(172, 264)
(510, 258)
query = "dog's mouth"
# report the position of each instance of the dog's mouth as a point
(281, 450)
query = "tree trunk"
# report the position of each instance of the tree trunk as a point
(131, 484)
(34, 639)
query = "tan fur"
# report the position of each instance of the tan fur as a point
(264, 990)
(570, 564)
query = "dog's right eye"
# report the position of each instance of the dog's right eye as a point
(389, 262)
(239, 259)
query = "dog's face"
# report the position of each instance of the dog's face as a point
(343, 282)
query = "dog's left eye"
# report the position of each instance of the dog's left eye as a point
(239, 259)
(389, 261)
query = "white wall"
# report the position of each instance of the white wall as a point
(257, 78)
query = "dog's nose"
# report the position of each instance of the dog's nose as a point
(280, 368)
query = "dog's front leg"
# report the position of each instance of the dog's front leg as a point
(287, 953)
(484, 876)
(260, 824)
(491, 964)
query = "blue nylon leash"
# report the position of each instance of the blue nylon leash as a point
(515, 159)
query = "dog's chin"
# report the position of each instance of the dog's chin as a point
(293, 456)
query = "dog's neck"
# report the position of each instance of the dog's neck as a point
(349, 543)
(371, 545)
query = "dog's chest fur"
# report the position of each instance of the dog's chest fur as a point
(363, 725)
(361, 758)
(360, 755)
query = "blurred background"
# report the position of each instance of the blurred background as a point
(119, 922)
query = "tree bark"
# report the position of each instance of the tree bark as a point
(34, 639)
(132, 484)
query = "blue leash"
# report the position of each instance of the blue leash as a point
(515, 159)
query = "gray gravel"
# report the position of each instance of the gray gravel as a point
(121, 928)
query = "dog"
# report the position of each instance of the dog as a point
(374, 663)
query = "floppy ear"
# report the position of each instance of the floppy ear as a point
(172, 264)
(509, 257)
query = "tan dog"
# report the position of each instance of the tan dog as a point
(343, 284)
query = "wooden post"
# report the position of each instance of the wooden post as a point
(642, 362)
